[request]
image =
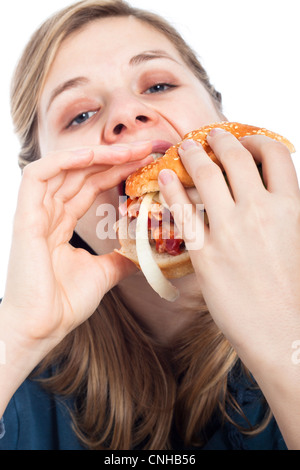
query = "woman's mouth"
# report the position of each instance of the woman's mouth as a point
(160, 146)
(121, 188)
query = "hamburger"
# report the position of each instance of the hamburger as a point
(146, 229)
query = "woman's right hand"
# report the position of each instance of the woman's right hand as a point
(52, 287)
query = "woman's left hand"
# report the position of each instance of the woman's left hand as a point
(248, 262)
(248, 266)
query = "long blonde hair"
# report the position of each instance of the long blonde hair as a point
(128, 391)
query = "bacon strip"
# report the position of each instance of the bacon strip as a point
(161, 227)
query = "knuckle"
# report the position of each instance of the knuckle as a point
(95, 185)
(207, 171)
(234, 154)
(270, 145)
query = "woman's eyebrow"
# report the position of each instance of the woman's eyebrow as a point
(150, 55)
(135, 60)
(73, 83)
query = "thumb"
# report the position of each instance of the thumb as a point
(114, 267)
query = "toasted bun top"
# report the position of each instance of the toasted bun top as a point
(145, 179)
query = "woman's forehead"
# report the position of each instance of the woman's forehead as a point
(112, 43)
(117, 36)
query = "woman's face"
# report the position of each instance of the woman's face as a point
(118, 81)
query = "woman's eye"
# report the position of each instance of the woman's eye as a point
(81, 118)
(159, 88)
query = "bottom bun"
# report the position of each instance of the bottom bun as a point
(172, 267)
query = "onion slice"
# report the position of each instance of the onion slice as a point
(147, 263)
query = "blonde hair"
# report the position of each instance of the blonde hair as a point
(128, 391)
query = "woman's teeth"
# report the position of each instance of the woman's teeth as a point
(156, 155)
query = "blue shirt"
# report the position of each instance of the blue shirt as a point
(37, 420)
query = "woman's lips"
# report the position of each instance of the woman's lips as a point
(160, 146)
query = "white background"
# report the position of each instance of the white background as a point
(250, 49)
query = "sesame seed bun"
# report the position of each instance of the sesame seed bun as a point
(145, 180)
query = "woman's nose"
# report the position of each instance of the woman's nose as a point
(127, 115)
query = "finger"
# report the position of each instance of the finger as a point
(119, 154)
(189, 219)
(55, 162)
(77, 203)
(68, 183)
(98, 179)
(208, 179)
(37, 175)
(194, 196)
(239, 165)
(115, 175)
(55, 183)
(113, 268)
(279, 172)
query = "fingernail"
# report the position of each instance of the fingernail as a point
(216, 131)
(188, 144)
(166, 176)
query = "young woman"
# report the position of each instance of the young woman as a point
(99, 87)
